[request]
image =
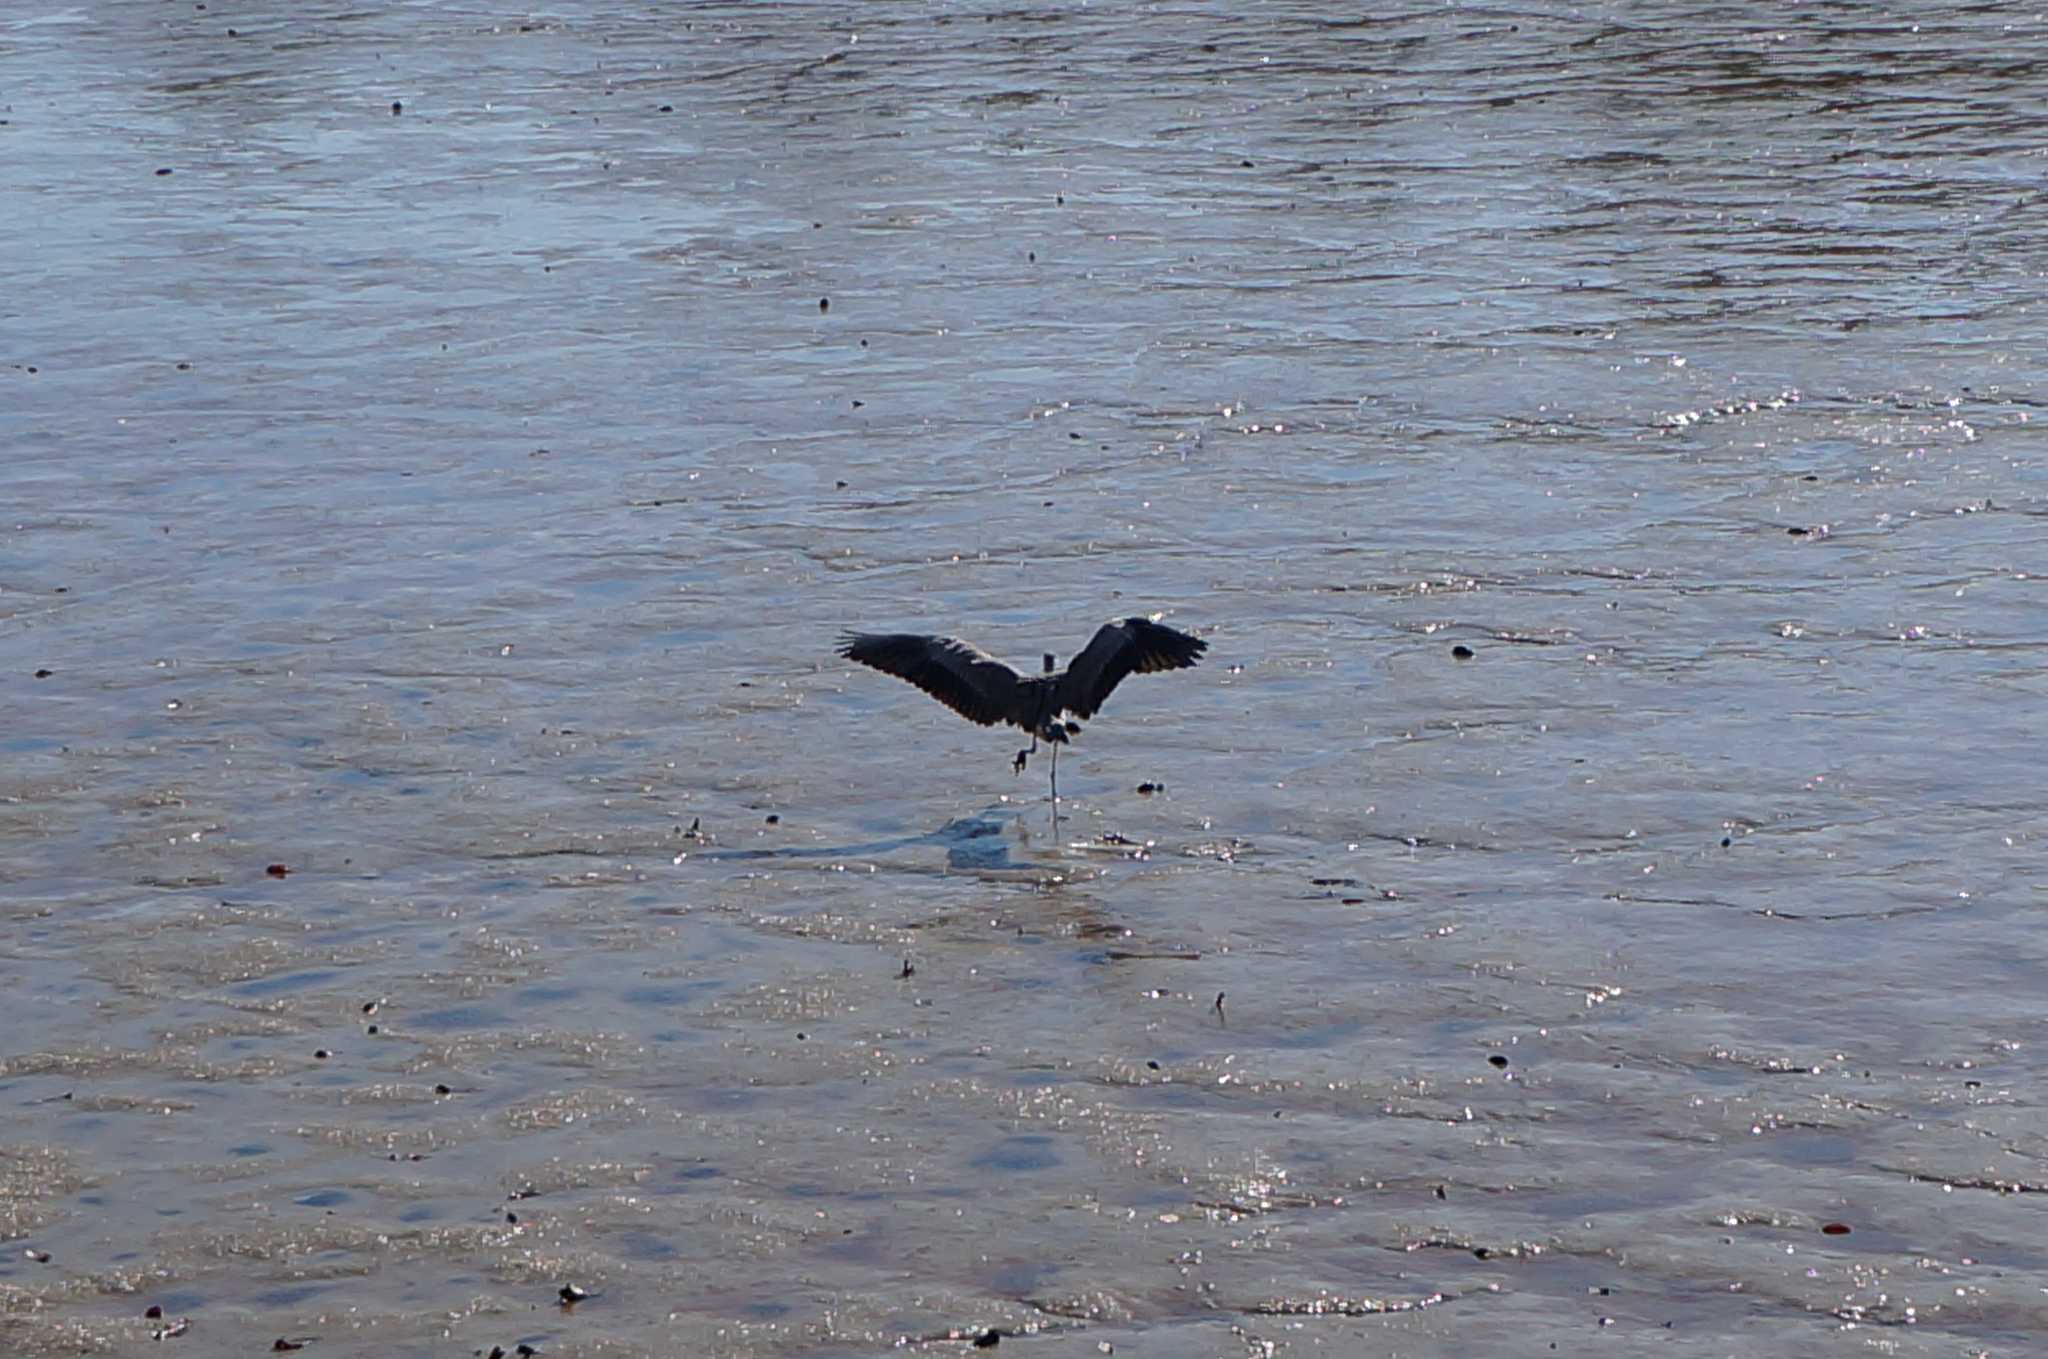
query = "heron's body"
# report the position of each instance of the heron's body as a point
(982, 689)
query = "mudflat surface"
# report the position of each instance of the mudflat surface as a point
(439, 446)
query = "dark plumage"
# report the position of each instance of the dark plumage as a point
(982, 689)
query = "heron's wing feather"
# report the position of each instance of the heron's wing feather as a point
(1130, 646)
(964, 678)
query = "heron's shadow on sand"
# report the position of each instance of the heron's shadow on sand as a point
(973, 844)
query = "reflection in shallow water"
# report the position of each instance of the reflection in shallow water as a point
(451, 507)
(969, 842)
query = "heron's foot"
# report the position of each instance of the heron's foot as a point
(1022, 756)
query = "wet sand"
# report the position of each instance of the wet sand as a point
(440, 447)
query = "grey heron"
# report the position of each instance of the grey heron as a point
(982, 689)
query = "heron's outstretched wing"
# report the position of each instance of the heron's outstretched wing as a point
(1132, 646)
(964, 678)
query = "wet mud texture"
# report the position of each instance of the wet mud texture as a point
(1587, 897)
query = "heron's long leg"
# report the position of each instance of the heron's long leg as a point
(1055, 783)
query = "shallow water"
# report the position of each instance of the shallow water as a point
(455, 505)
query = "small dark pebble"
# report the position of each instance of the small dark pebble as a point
(284, 1346)
(1727, 840)
(1795, 532)
(321, 1054)
(369, 1007)
(41, 1257)
(371, 1029)
(164, 170)
(1480, 1252)
(839, 485)
(497, 1352)
(1462, 652)
(667, 108)
(1154, 1065)
(824, 304)
(801, 1035)
(571, 1295)
(184, 367)
(43, 674)
(511, 1217)
(443, 1090)
(988, 1339)
(774, 820)
(1836, 1229)
(396, 108)
(278, 871)
(1442, 1192)
(153, 1313)
(1148, 788)
(526, 1352)
(1498, 1060)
